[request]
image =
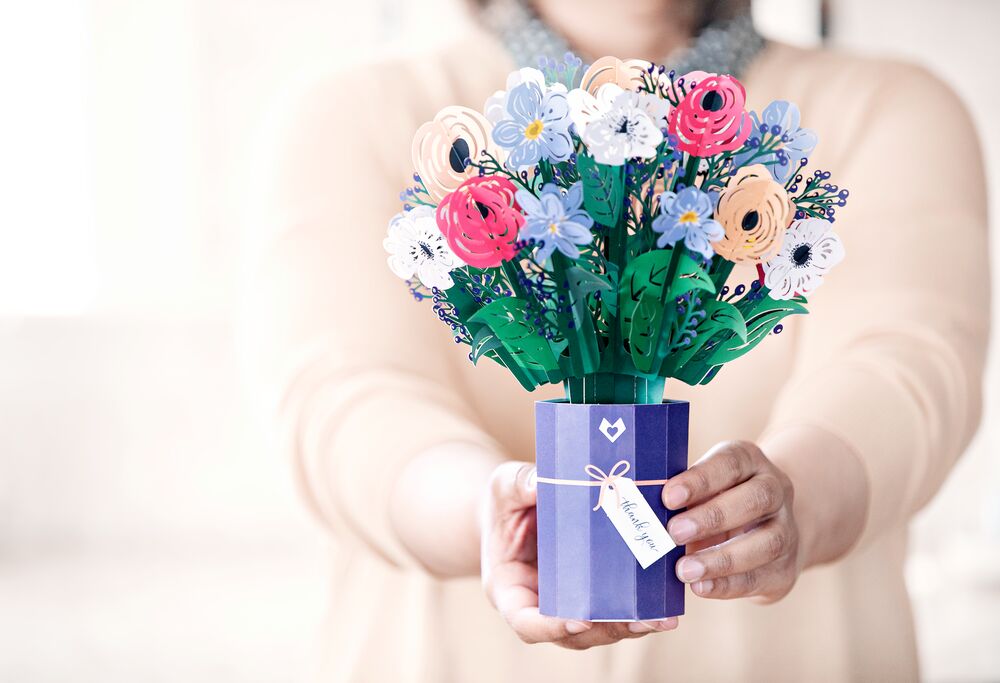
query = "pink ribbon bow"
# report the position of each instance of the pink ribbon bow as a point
(607, 481)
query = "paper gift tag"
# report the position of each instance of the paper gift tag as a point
(638, 525)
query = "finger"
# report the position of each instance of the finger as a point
(513, 590)
(514, 485)
(769, 542)
(612, 632)
(727, 464)
(533, 627)
(772, 581)
(658, 626)
(755, 499)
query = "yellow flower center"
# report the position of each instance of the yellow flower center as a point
(553, 228)
(534, 129)
(689, 217)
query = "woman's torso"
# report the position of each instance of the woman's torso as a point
(847, 621)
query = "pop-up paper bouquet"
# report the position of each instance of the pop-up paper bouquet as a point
(582, 230)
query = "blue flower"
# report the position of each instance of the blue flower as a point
(555, 220)
(536, 126)
(781, 118)
(688, 215)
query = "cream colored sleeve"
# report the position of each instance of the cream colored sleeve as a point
(361, 372)
(891, 356)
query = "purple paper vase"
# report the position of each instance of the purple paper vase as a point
(585, 569)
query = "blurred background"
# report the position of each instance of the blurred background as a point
(147, 530)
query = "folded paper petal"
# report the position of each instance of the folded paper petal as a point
(443, 147)
(810, 250)
(625, 73)
(617, 125)
(481, 221)
(417, 247)
(754, 210)
(711, 118)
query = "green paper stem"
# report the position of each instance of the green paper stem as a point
(581, 337)
(511, 273)
(616, 251)
(691, 171)
(721, 274)
(614, 388)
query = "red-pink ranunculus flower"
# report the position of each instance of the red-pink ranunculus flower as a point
(481, 220)
(712, 117)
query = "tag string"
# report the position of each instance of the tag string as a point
(606, 480)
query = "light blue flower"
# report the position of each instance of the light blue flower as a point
(687, 215)
(555, 220)
(536, 126)
(780, 119)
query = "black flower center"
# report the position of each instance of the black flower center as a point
(712, 101)
(802, 255)
(750, 220)
(623, 127)
(484, 210)
(425, 249)
(458, 157)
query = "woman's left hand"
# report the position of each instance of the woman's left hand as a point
(741, 535)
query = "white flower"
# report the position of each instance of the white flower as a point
(811, 248)
(416, 246)
(496, 106)
(617, 125)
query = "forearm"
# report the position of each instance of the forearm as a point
(830, 489)
(435, 506)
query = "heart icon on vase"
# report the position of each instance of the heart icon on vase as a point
(612, 430)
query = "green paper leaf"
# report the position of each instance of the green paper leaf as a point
(659, 276)
(689, 276)
(727, 344)
(603, 190)
(583, 282)
(642, 286)
(506, 318)
(758, 327)
(644, 335)
(721, 315)
(483, 343)
(644, 277)
(578, 328)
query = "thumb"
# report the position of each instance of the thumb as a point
(515, 485)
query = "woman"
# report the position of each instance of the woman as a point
(818, 449)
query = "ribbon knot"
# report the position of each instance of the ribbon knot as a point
(607, 480)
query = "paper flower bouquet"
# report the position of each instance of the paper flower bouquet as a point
(582, 230)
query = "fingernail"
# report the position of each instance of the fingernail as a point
(676, 496)
(668, 624)
(641, 627)
(681, 529)
(575, 627)
(703, 587)
(533, 480)
(690, 569)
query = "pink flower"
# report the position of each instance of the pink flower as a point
(481, 220)
(712, 117)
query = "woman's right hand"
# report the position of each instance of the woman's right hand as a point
(510, 568)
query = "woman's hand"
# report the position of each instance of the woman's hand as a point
(742, 538)
(510, 568)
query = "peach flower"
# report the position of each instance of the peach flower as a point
(755, 211)
(443, 147)
(626, 74)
